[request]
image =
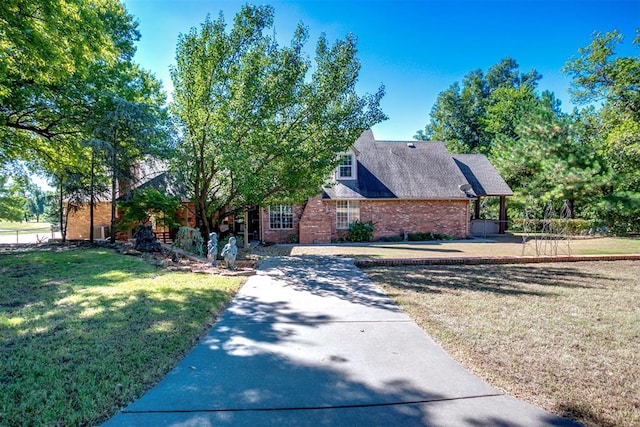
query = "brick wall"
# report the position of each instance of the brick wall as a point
(78, 224)
(395, 217)
(391, 218)
(315, 222)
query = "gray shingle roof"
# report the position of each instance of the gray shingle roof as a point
(401, 170)
(483, 177)
(162, 182)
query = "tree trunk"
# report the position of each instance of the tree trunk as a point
(63, 231)
(114, 169)
(91, 199)
(570, 210)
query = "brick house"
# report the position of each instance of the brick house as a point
(403, 187)
(148, 174)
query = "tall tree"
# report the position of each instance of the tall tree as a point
(546, 160)
(51, 56)
(259, 121)
(459, 116)
(601, 76)
(129, 131)
(12, 201)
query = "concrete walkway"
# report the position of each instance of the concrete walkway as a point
(311, 341)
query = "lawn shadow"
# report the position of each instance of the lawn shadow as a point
(326, 276)
(92, 351)
(507, 279)
(269, 362)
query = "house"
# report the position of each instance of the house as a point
(147, 174)
(403, 187)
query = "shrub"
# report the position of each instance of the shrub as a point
(360, 231)
(569, 226)
(391, 239)
(421, 237)
(190, 240)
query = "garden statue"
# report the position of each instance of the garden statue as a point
(230, 252)
(212, 248)
(145, 240)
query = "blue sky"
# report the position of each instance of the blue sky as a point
(417, 49)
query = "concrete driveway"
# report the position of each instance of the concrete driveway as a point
(310, 341)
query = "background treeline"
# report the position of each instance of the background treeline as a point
(587, 161)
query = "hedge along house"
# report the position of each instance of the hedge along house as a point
(403, 187)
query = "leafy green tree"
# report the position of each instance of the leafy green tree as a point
(65, 70)
(601, 76)
(546, 161)
(36, 201)
(467, 117)
(52, 53)
(12, 201)
(260, 122)
(129, 131)
(147, 203)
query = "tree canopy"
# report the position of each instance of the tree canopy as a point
(588, 159)
(54, 55)
(260, 122)
(467, 117)
(73, 104)
(601, 76)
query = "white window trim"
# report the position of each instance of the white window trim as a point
(354, 169)
(280, 211)
(352, 215)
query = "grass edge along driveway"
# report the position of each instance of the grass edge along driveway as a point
(84, 332)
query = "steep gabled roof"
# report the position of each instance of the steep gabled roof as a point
(483, 177)
(401, 170)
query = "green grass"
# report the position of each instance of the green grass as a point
(561, 336)
(31, 227)
(84, 332)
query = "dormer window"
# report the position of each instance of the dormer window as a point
(347, 167)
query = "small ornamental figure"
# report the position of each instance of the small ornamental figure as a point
(212, 248)
(230, 252)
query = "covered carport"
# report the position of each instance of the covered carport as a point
(485, 181)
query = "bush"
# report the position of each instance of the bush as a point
(360, 231)
(421, 237)
(190, 240)
(391, 239)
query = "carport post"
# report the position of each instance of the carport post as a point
(502, 224)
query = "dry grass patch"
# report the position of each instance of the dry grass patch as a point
(564, 337)
(507, 245)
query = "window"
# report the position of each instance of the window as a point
(347, 211)
(346, 169)
(280, 217)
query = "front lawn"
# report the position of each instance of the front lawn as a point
(7, 227)
(565, 337)
(84, 332)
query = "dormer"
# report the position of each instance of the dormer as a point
(347, 168)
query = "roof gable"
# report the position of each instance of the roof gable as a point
(402, 170)
(485, 180)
